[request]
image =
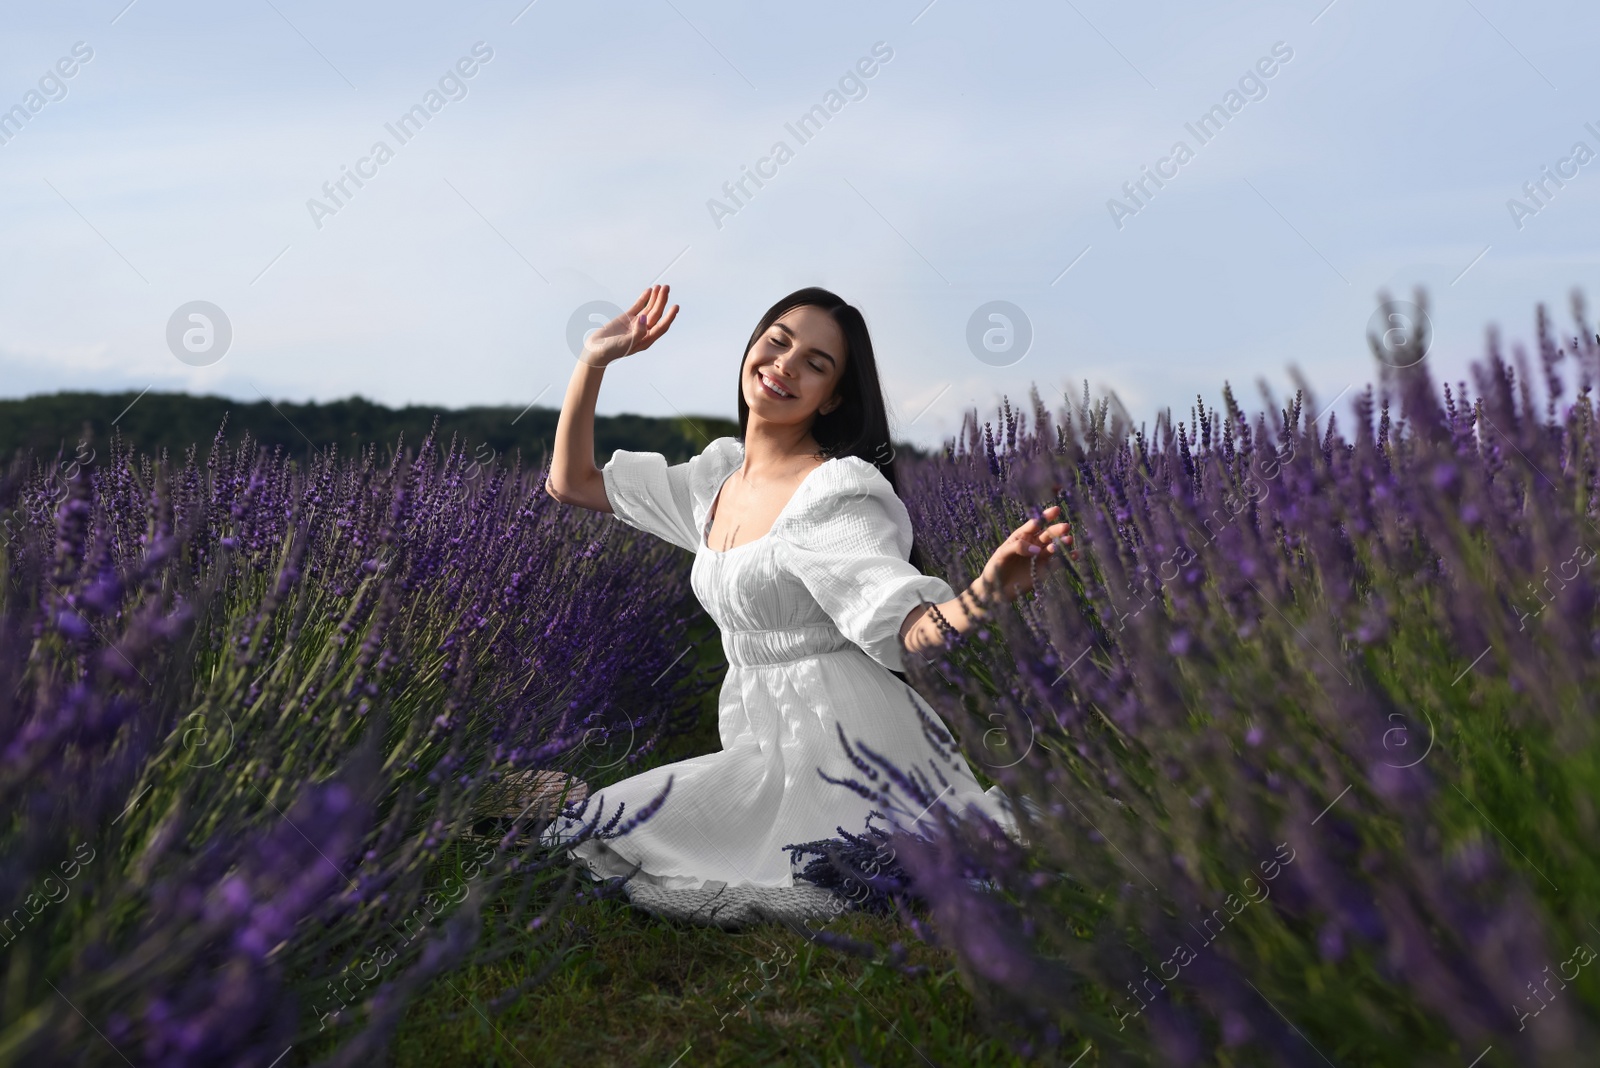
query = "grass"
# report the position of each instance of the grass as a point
(633, 989)
(637, 990)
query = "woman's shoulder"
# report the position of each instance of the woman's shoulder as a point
(720, 456)
(709, 468)
(851, 475)
(839, 476)
(848, 490)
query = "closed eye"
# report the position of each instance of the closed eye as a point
(782, 342)
(783, 335)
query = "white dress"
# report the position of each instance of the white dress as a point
(810, 615)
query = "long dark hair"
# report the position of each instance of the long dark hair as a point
(859, 426)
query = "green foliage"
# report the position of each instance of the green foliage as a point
(174, 421)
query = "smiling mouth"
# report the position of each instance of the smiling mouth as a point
(773, 388)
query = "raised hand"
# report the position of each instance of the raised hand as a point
(1009, 571)
(633, 331)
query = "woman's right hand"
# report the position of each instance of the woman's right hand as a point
(1010, 570)
(633, 331)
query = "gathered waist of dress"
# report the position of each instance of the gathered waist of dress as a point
(761, 648)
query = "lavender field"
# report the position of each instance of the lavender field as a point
(250, 708)
(1308, 728)
(1314, 725)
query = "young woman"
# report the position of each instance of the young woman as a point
(801, 557)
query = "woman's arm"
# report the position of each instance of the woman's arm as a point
(1007, 575)
(574, 478)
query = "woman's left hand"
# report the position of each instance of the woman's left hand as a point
(1010, 569)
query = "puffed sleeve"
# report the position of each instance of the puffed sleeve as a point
(848, 544)
(645, 492)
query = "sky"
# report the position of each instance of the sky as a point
(977, 195)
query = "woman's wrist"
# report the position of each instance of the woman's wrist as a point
(977, 597)
(946, 631)
(930, 624)
(923, 632)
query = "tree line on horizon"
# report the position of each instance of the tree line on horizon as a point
(53, 424)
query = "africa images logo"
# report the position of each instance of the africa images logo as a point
(52, 88)
(1542, 190)
(851, 86)
(452, 85)
(1252, 86)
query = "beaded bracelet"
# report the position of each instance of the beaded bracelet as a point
(945, 628)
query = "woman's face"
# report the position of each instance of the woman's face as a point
(793, 370)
